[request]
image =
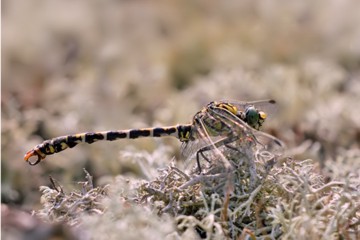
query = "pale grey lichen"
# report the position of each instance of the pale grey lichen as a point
(287, 199)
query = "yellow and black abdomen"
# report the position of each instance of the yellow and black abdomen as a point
(55, 145)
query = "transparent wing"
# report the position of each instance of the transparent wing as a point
(206, 144)
(269, 143)
(268, 106)
(221, 133)
(203, 139)
(264, 141)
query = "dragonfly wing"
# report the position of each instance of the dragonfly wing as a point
(189, 149)
(268, 106)
(206, 144)
(240, 128)
(269, 143)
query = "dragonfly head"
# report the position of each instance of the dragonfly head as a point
(253, 117)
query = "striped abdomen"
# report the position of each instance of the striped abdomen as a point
(55, 145)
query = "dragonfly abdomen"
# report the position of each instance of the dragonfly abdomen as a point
(181, 132)
(55, 145)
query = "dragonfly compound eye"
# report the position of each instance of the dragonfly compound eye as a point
(252, 117)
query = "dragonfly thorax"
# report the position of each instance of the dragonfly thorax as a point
(227, 106)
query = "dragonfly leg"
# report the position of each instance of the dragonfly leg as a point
(222, 142)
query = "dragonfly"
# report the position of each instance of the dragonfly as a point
(219, 123)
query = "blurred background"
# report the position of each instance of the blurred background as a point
(76, 66)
